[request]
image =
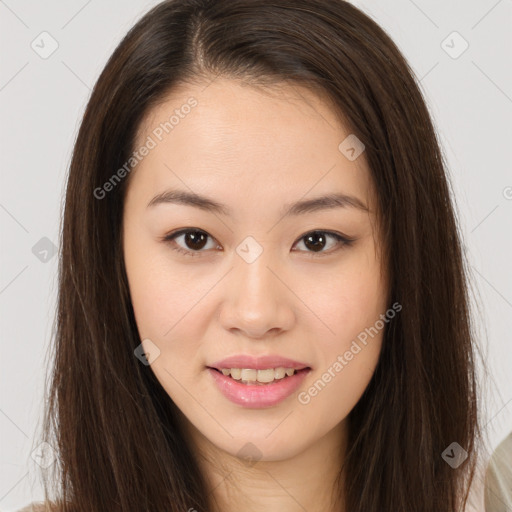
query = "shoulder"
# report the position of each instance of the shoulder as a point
(499, 476)
(36, 507)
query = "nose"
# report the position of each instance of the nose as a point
(258, 302)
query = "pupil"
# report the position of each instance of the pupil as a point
(195, 237)
(316, 240)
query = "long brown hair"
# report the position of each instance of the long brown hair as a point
(115, 430)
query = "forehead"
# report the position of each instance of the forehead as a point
(229, 139)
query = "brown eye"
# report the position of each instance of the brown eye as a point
(192, 241)
(195, 240)
(316, 241)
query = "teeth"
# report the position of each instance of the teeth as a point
(250, 375)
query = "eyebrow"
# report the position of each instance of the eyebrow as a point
(304, 206)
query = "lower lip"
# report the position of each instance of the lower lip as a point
(258, 396)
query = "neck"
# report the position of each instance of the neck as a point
(306, 480)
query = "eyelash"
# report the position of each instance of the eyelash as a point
(342, 240)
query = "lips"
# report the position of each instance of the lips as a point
(257, 363)
(258, 396)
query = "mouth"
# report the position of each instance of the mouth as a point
(242, 387)
(260, 377)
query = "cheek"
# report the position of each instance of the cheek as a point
(155, 308)
(165, 313)
(347, 301)
(160, 295)
(347, 358)
(351, 306)
(342, 380)
(163, 301)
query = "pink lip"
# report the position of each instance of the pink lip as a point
(257, 363)
(257, 396)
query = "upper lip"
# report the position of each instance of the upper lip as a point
(258, 363)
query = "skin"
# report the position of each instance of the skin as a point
(256, 151)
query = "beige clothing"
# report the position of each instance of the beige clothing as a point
(33, 507)
(498, 478)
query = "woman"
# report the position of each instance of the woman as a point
(263, 299)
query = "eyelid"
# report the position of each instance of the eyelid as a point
(342, 241)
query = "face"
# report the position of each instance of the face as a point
(244, 273)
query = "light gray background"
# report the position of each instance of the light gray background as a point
(41, 104)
